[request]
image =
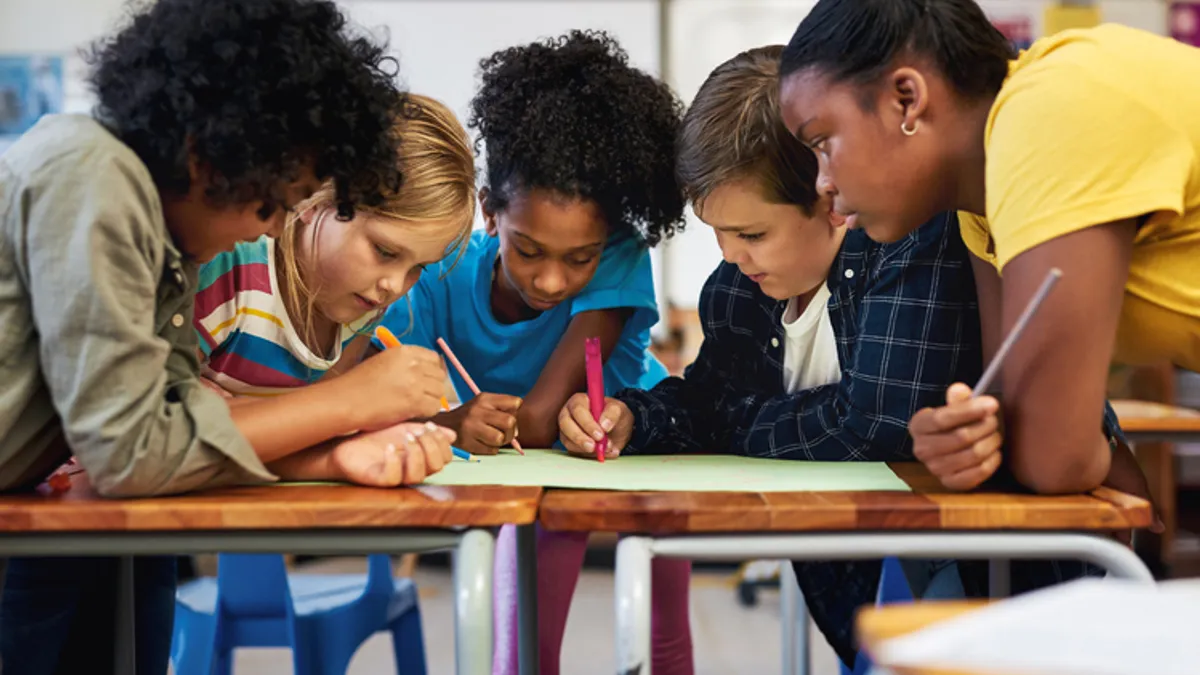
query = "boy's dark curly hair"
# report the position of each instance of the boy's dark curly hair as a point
(570, 115)
(256, 90)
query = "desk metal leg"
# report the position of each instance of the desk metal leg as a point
(633, 605)
(126, 634)
(473, 562)
(796, 660)
(634, 555)
(527, 600)
(999, 578)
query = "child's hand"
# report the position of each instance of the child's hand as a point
(485, 424)
(398, 384)
(579, 431)
(960, 441)
(403, 454)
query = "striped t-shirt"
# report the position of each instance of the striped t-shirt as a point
(248, 342)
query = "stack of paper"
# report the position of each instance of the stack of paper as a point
(1089, 627)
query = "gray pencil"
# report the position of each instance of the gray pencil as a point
(994, 367)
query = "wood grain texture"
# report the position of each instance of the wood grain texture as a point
(928, 507)
(1146, 417)
(271, 507)
(876, 625)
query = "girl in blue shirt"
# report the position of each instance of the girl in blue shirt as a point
(579, 183)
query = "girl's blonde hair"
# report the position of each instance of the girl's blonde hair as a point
(436, 196)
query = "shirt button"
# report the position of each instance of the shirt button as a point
(774, 342)
(177, 321)
(179, 277)
(849, 274)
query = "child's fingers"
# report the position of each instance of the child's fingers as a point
(414, 461)
(929, 447)
(436, 450)
(973, 477)
(613, 410)
(930, 421)
(973, 455)
(958, 393)
(446, 432)
(393, 466)
(580, 411)
(502, 402)
(572, 436)
(497, 428)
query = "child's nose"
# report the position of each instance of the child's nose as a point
(825, 185)
(551, 282)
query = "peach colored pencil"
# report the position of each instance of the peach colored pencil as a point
(467, 378)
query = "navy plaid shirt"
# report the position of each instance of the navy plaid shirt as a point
(907, 327)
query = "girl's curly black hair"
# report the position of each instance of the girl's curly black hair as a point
(256, 90)
(570, 115)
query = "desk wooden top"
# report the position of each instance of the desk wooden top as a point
(928, 507)
(1140, 417)
(80, 509)
(876, 625)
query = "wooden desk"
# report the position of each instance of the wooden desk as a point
(1145, 421)
(929, 522)
(1152, 428)
(337, 520)
(928, 507)
(877, 625)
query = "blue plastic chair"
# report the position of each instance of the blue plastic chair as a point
(893, 588)
(323, 618)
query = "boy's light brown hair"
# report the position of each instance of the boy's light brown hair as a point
(733, 130)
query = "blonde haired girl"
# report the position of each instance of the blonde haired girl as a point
(275, 314)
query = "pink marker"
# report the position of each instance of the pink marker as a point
(595, 386)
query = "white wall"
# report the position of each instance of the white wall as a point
(440, 42)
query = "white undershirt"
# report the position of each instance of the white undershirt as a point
(810, 357)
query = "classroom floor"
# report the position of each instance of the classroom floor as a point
(729, 639)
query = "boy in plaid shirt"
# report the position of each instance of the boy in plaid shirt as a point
(819, 344)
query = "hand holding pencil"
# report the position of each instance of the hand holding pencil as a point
(960, 442)
(496, 412)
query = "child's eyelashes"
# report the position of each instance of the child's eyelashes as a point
(526, 254)
(384, 253)
(581, 262)
(750, 236)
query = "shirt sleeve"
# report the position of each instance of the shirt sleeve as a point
(624, 279)
(689, 414)
(136, 429)
(1067, 151)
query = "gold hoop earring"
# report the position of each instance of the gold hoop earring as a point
(910, 132)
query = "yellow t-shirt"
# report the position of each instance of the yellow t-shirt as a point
(1093, 126)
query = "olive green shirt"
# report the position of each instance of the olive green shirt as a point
(98, 356)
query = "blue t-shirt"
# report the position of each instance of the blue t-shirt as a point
(508, 358)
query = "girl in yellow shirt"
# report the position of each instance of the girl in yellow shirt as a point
(1078, 154)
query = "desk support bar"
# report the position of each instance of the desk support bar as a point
(634, 555)
(473, 563)
(185, 542)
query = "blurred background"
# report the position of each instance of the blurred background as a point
(439, 44)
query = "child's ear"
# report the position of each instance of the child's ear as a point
(308, 214)
(489, 216)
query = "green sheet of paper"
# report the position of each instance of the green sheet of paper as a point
(702, 473)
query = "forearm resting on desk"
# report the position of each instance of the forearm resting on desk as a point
(281, 425)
